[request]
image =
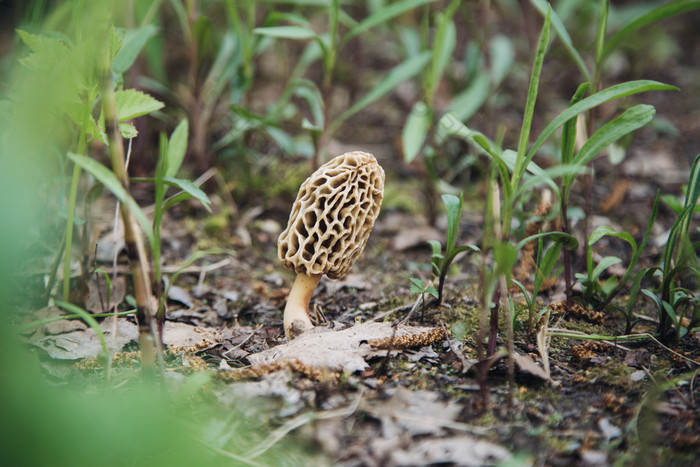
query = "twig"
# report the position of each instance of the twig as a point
(241, 344)
(397, 309)
(456, 351)
(413, 309)
(626, 338)
(302, 420)
(174, 268)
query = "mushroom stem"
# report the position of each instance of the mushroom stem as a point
(296, 312)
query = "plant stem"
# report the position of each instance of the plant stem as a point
(146, 303)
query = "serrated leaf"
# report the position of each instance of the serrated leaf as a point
(177, 147)
(131, 103)
(128, 130)
(432, 291)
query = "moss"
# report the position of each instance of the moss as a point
(612, 373)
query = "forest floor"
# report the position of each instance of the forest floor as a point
(415, 403)
(352, 399)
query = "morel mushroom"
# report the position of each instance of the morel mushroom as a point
(328, 228)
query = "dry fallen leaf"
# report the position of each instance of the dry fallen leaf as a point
(343, 350)
(413, 412)
(459, 451)
(85, 343)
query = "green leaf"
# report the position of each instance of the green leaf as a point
(502, 55)
(568, 240)
(415, 130)
(134, 42)
(560, 29)
(191, 189)
(605, 231)
(544, 269)
(308, 91)
(521, 162)
(109, 180)
(604, 264)
(655, 15)
(568, 139)
(602, 30)
(432, 291)
(47, 52)
(613, 92)
(468, 102)
(453, 210)
(89, 320)
(132, 103)
(383, 15)
(177, 147)
(630, 120)
(287, 32)
(402, 72)
(443, 46)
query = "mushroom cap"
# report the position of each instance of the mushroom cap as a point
(333, 216)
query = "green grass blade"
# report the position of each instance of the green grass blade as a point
(602, 31)
(396, 76)
(286, 32)
(443, 46)
(605, 231)
(567, 240)
(655, 15)
(542, 6)
(568, 138)
(613, 92)
(134, 41)
(604, 264)
(415, 130)
(468, 102)
(89, 320)
(177, 146)
(520, 163)
(109, 180)
(383, 15)
(630, 120)
(453, 210)
(191, 189)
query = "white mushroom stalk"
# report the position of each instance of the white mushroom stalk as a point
(328, 228)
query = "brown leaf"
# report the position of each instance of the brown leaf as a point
(528, 365)
(459, 450)
(343, 350)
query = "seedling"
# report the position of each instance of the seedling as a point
(680, 260)
(441, 260)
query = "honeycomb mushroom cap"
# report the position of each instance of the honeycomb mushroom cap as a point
(333, 216)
